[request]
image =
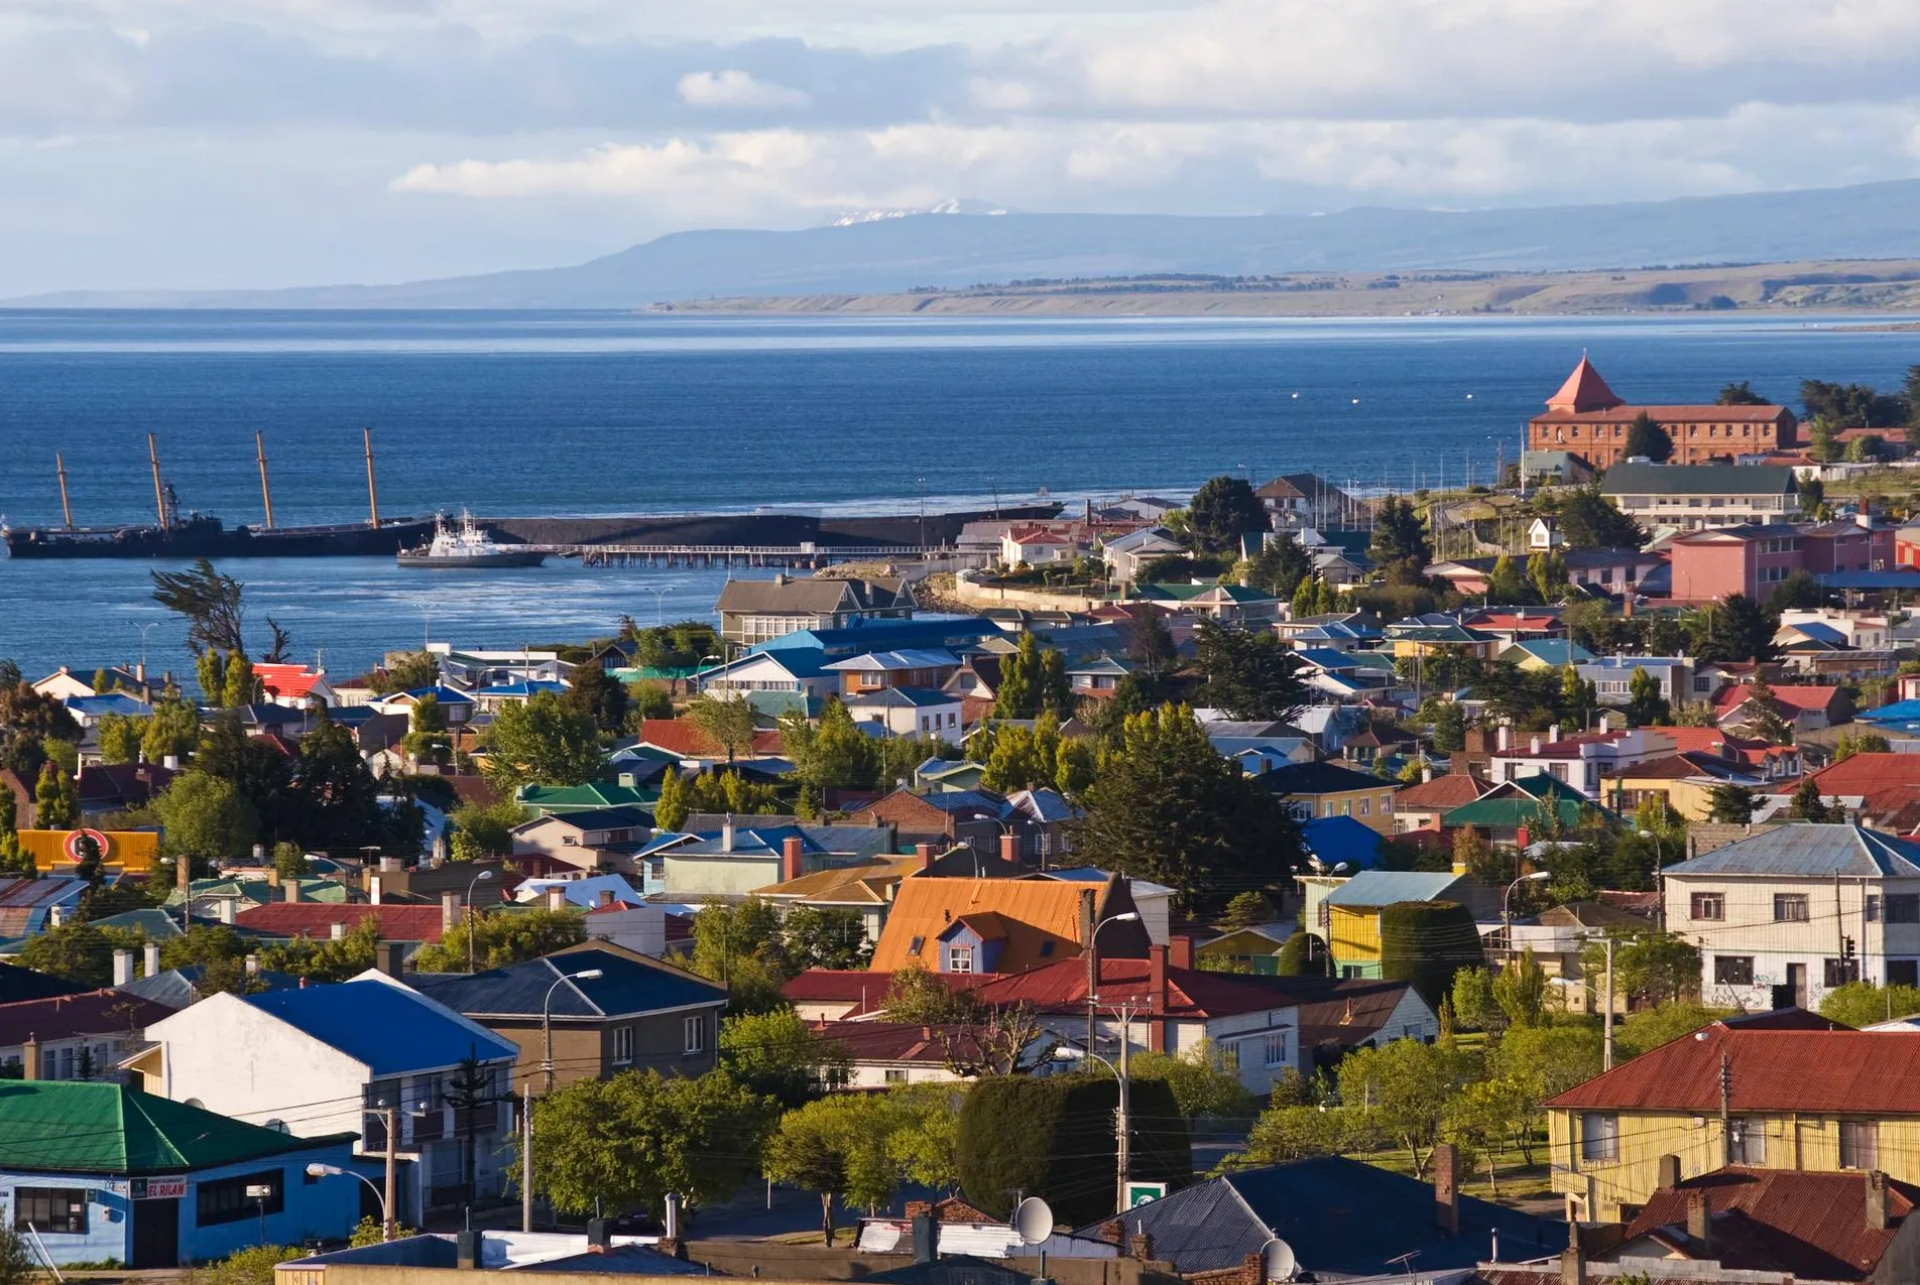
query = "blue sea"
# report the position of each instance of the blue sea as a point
(615, 413)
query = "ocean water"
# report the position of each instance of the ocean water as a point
(605, 413)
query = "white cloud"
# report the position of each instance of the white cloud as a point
(731, 90)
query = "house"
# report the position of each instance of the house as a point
(119, 787)
(1253, 950)
(1559, 937)
(104, 1173)
(1686, 781)
(1036, 544)
(1612, 677)
(1785, 915)
(294, 686)
(1862, 630)
(582, 892)
(547, 1258)
(1349, 916)
(63, 684)
(883, 1054)
(1418, 806)
(1589, 420)
(1702, 497)
(978, 818)
(592, 840)
(1539, 655)
(753, 611)
(1580, 760)
(1511, 811)
(29, 907)
(472, 668)
(1004, 925)
(1814, 1100)
(682, 738)
(457, 706)
(1343, 1219)
(794, 673)
(1805, 709)
(1409, 639)
(1749, 559)
(322, 1061)
(1619, 572)
(557, 800)
(737, 859)
(1327, 789)
(866, 888)
(1880, 791)
(909, 711)
(87, 711)
(320, 920)
(1127, 555)
(1097, 679)
(72, 1037)
(1306, 500)
(636, 1015)
(496, 696)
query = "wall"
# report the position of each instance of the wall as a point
(735, 873)
(771, 1261)
(1353, 937)
(584, 1051)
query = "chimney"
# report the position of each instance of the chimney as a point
(252, 964)
(1426, 773)
(1573, 1262)
(273, 876)
(152, 959)
(1606, 722)
(1876, 1201)
(337, 930)
(1667, 1171)
(30, 1058)
(606, 897)
(556, 898)
(223, 908)
(449, 911)
(293, 891)
(1157, 978)
(1010, 847)
(790, 858)
(183, 874)
(726, 833)
(1536, 744)
(122, 967)
(392, 959)
(171, 762)
(1141, 1246)
(1501, 735)
(466, 1250)
(926, 1239)
(1446, 1188)
(56, 915)
(1553, 733)
(599, 1237)
(1180, 951)
(1700, 1221)
(391, 865)
(924, 853)
(376, 886)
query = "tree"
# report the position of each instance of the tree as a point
(290, 861)
(503, 938)
(836, 1147)
(1821, 444)
(171, 731)
(412, 672)
(825, 937)
(1813, 497)
(1223, 510)
(1547, 575)
(777, 1055)
(1863, 450)
(835, 755)
(671, 808)
(1851, 743)
(645, 701)
(1761, 717)
(1279, 567)
(917, 995)
(1165, 807)
(1033, 679)
(1588, 520)
(1740, 394)
(1505, 584)
(1738, 629)
(741, 946)
(427, 739)
(332, 796)
(210, 603)
(486, 830)
(1652, 966)
(56, 802)
(1251, 676)
(1399, 546)
(725, 724)
(76, 952)
(1479, 1119)
(1301, 1132)
(1807, 804)
(1305, 598)
(252, 1266)
(1650, 1028)
(1302, 955)
(623, 1143)
(1202, 1082)
(238, 687)
(1645, 705)
(1403, 1088)
(541, 741)
(1474, 1004)
(685, 644)
(1862, 1004)
(1246, 910)
(119, 738)
(1449, 728)
(1521, 990)
(1730, 804)
(253, 767)
(1644, 437)
(1798, 592)
(599, 697)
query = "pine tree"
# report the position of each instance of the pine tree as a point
(56, 802)
(210, 667)
(1324, 603)
(238, 688)
(670, 809)
(1304, 597)
(1504, 584)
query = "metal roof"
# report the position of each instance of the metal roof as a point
(1697, 479)
(626, 987)
(1810, 851)
(388, 1028)
(1389, 887)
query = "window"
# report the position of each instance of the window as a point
(1903, 908)
(694, 1031)
(1859, 1144)
(1840, 971)
(622, 1045)
(1733, 970)
(1366, 807)
(1599, 1137)
(1709, 905)
(1276, 1049)
(959, 959)
(60, 1211)
(1790, 907)
(1903, 972)
(225, 1200)
(913, 947)
(896, 1075)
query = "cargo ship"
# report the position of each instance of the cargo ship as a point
(198, 535)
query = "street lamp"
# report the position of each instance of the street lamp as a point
(482, 877)
(546, 1019)
(1093, 963)
(1506, 919)
(318, 1170)
(1122, 1122)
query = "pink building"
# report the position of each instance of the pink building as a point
(1739, 559)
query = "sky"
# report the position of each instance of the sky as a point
(232, 143)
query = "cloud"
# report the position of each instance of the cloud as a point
(728, 90)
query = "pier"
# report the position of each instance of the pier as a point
(731, 555)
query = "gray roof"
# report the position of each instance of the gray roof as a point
(626, 986)
(1697, 479)
(1389, 887)
(1810, 851)
(815, 596)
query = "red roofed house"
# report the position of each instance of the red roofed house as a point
(73, 1037)
(831, 995)
(1806, 709)
(294, 686)
(883, 1054)
(1824, 1101)
(1035, 545)
(1588, 419)
(1425, 803)
(319, 920)
(1880, 791)
(683, 737)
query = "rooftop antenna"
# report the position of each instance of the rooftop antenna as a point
(266, 491)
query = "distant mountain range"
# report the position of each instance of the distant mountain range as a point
(889, 254)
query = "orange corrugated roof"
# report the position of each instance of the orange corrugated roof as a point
(1035, 911)
(1584, 391)
(842, 878)
(1861, 1072)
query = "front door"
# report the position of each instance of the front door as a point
(156, 1233)
(1797, 984)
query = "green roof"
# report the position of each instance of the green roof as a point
(260, 892)
(1516, 812)
(75, 1126)
(548, 799)
(1697, 479)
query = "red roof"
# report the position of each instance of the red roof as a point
(1802, 698)
(902, 1041)
(681, 736)
(1036, 535)
(286, 680)
(63, 1017)
(1869, 773)
(1567, 747)
(1190, 991)
(862, 989)
(1584, 391)
(315, 919)
(1812, 1225)
(1772, 1070)
(1441, 793)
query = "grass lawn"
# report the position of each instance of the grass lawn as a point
(1517, 1180)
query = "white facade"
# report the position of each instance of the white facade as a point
(941, 718)
(641, 929)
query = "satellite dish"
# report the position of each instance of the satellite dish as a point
(1277, 1262)
(1033, 1220)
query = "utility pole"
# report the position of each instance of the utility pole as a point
(390, 1122)
(526, 1154)
(1123, 1119)
(1606, 1054)
(1726, 1112)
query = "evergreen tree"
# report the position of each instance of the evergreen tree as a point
(1588, 520)
(1250, 676)
(1449, 729)
(1547, 574)
(1222, 510)
(595, 694)
(670, 810)
(1740, 394)
(1644, 437)
(56, 802)
(1645, 705)
(1032, 679)
(1505, 584)
(1807, 804)
(1304, 600)
(1821, 444)
(1730, 805)
(334, 796)
(237, 686)
(1323, 597)
(210, 667)
(1400, 547)
(1280, 567)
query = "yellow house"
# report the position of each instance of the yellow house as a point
(1330, 790)
(57, 851)
(1255, 949)
(1352, 911)
(1739, 1092)
(1686, 782)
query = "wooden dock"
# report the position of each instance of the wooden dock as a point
(731, 555)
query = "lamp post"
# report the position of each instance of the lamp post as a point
(1093, 966)
(1506, 918)
(526, 1095)
(546, 1020)
(482, 877)
(318, 1170)
(1122, 1120)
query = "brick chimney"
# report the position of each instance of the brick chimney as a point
(1180, 951)
(1157, 978)
(1010, 847)
(449, 911)
(606, 897)
(273, 876)
(392, 959)
(30, 1058)
(293, 890)
(923, 852)
(1140, 1246)
(790, 854)
(1446, 1188)
(1877, 1201)
(1700, 1221)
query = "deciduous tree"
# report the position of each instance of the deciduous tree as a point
(1645, 705)
(541, 741)
(1403, 1088)
(56, 801)
(777, 1055)
(726, 724)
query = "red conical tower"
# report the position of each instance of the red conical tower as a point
(1584, 391)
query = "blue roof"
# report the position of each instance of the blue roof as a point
(904, 658)
(763, 841)
(1389, 887)
(966, 801)
(914, 697)
(1909, 580)
(111, 703)
(382, 1025)
(524, 687)
(1899, 712)
(1337, 839)
(1325, 657)
(1810, 851)
(867, 635)
(1819, 632)
(445, 695)
(797, 661)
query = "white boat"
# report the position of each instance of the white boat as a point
(464, 547)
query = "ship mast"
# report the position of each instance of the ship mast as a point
(266, 492)
(373, 496)
(159, 497)
(66, 509)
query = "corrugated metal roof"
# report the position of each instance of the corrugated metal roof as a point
(1389, 887)
(387, 1027)
(1809, 851)
(625, 987)
(1784, 1220)
(1046, 911)
(1868, 1072)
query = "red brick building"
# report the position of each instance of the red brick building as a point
(1588, 419)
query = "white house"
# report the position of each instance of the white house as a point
(909, 711)
(1035, 546)
(1126, 554)
(1543, 535)
(335, 1059)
